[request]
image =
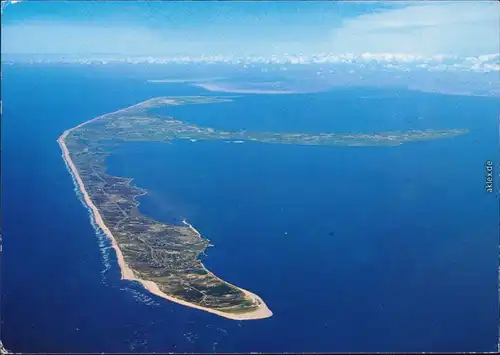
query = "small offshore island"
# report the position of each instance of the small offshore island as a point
(165, 258)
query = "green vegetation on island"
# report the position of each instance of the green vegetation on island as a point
(168, 255)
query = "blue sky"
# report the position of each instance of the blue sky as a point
(251, 28)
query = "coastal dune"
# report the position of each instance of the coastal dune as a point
(262, 311)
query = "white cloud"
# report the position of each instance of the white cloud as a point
(424, 36)
(394, 61)
(457, 28)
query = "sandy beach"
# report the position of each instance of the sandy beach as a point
(126, 273)
(239, 90)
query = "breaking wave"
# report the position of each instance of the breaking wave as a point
(103, 241)
(140, 295)
(106, 248)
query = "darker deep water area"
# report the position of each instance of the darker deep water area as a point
(352, 248)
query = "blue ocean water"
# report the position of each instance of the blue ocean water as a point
(359, 110)
(353, 249)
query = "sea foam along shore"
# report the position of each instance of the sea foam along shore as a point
(262, 311)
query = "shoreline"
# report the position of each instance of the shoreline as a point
(128, 274)
(218, 88)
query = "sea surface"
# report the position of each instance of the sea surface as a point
(352, 248)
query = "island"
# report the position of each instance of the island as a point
(165, 258)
